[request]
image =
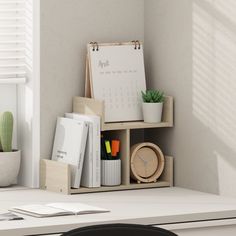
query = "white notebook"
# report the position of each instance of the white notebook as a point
(69, 146)
(57, 209)
(91, 173)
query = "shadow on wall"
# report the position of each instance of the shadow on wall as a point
(214, 82)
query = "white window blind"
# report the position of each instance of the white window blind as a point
(13, 37)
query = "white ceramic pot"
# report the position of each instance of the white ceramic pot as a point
(9, 167)
(111, 172)
(152, 112)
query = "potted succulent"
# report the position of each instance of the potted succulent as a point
(9, 159)
(152, 105)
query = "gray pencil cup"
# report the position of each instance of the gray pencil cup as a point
(111, 172)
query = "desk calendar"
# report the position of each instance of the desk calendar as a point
(116, 75)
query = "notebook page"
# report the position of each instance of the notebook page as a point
(39, 210)
(77, 208)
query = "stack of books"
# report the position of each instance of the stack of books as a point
(77, 142)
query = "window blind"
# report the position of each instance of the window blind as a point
(13, 41)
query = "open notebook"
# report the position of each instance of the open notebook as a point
(7, 216)
(57, 209)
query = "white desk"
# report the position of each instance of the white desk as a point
(167, 207)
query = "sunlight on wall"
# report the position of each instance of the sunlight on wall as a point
(226, 174)
(214, 67)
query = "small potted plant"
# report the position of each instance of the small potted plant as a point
(9, 159)
(152, 105)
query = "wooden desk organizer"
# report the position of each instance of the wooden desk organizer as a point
(55, 176)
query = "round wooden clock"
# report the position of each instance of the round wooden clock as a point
(146, 163)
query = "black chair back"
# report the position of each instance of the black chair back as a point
(119, 230)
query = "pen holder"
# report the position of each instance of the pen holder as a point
(111, 172)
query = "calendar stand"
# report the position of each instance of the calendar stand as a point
(115, 74)
(87, 88)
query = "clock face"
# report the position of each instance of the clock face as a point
(145, 162)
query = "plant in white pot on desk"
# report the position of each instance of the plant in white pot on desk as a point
(152, 105)
(9, 159)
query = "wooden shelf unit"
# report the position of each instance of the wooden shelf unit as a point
(91, 106)
(55, 176)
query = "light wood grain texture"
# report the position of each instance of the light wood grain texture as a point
(168, 172)
(55, 176)
(168, 111)
(134, 125)
(89, 85)
(136, 166)
(121, 187)
(87, 79)
(125, 154)
(91, 106)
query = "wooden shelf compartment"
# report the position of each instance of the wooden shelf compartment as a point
(91, 106)
(124, 137)
(55, 176)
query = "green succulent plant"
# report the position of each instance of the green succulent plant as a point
(6, 130)
(153, 96)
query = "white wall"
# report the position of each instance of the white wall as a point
(191, 54)
(66, 27)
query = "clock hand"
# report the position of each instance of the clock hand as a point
(141, 158)
(145, 170)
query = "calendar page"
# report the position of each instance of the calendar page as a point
(118, 77)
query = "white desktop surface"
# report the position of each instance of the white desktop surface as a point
(149, 206)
